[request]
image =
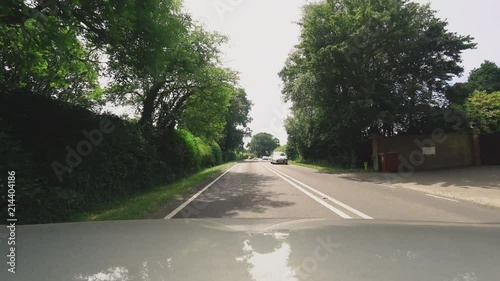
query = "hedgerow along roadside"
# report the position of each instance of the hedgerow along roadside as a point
(35, 132)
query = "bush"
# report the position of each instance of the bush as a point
(216, 154)
(70, 160)
(191, 155)
(229, 156)
(211, 154)
(60, 170)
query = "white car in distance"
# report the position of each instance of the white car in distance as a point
(279, 158)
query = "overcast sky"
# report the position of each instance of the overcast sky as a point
(262, 34)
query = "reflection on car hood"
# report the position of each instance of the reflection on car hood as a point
(255, 250)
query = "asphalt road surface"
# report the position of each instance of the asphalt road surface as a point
(260, 190)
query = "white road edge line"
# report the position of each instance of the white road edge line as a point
(386, 185)
(347, 207)
(328, 206)
(439, 197)
(174, 212)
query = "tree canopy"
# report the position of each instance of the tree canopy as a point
(64, 63)
(366, 66)
(237, 119)
(486, 79)
(483, 109)
(150, 55)
(263, 144)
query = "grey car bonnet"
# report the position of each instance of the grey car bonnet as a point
(255, 250)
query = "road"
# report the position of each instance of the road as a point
(261, 190)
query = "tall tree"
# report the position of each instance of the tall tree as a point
(485, 78)
(237, 119)
(162, 60)
(47, 57)
(205, 114)
(459, 93)
(484, 111)
(367, 66)
(263, 144)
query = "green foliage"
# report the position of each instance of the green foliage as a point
(137, 206)
(281, 148)
(164, 59)
(263, 144)
(50, 61)
(459, 93)
(210, 153)
(237, 119)
(216, 158)
(204, 115)
(122, 163)
(366, 66)
(191, 151)
(153, 56)
(485, 78)
(289, 150)
(484, 111)
(184, 153)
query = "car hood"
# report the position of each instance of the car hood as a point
(255, 250)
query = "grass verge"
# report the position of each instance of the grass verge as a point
(328, 169)
(140, 205)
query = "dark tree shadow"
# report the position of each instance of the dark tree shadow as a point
(487, 177)
(237, 192)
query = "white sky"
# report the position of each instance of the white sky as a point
(262, 34)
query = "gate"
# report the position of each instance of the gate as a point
(490, 149)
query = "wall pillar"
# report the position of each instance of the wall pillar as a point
(374, 138)
(476, 148)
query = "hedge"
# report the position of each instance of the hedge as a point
(68, 159)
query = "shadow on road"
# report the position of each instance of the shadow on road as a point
(235, 193)
(487, 177)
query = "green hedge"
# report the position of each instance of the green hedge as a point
(68, 159)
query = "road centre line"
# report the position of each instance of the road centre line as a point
(322, 202)
(174, 212)
(443, 198)
(345, 206)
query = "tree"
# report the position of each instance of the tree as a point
(485, 78)
(49, 59)
(281, 148)
(237, 120)
(155, 56)
(366, 66)
(484, 111)
(263, 144)
(205, 114)
(149, 54)
(459, 93)
(161, 60)
(177, 79)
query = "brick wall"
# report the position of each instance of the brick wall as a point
(451, 149)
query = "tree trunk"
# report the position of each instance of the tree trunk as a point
(148, 105)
